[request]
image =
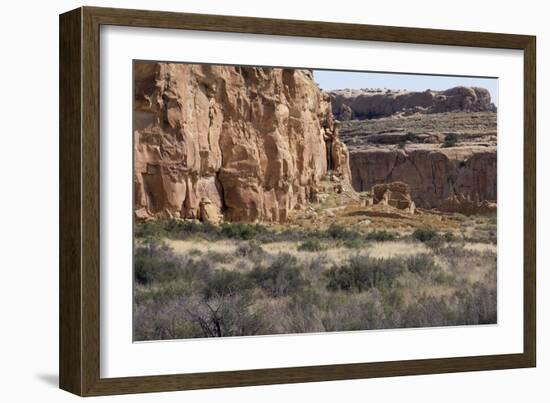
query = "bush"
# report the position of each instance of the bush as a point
(224, 283)
(449, 237)
(311, 245)
(424, 234)
(175, 229)
(362, 272)
(381, 236)
(339, 232)
(450, 140)
(354, 243)
(422, 264)
(219, 257)
(435, 243)
(241, 231)
(282, 277)
(249, 250)
(154, 261)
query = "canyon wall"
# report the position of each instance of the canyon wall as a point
(367, 104)
(248, 144)
(433, 174)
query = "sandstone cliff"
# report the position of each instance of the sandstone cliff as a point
(367, 104)
(432, 173)
(250, 144)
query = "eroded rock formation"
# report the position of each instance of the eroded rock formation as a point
(247, 143)
(368, 104)
(432, 173)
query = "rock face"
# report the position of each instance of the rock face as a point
(432, 173)
(247, 143)
(368, 104)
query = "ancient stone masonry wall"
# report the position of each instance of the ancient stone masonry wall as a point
(248, 144)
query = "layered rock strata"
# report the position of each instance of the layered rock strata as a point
(433, 174)
(367, 104)
(248, 144)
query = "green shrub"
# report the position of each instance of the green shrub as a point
(225, 283)
(353, 243)
(282, 277)
(362, 272)
(219, 257)
(449, 237)
(241, 231)
(176, 229)
(154, 261)
(339, 232)
(424, 234)
(422, 264)
(435, 243)
(381, 236)
(311, 245)
(450, 140)
(249, 250)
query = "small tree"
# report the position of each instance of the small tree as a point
(450, 140)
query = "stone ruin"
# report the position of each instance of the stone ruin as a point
(394, 194)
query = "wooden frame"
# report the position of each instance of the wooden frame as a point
(79, 201)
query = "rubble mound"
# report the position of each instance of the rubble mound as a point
(467, 206)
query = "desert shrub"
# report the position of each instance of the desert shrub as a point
(311, 245)
(381, 236)
(353, 243)
(449, 237)
(422, 264)
(226, 283)
(435, 243)
(450, 140)
(339, 232)
(176, 229)
(302, 313)
(148, 229)
(453, 251)
(194, 252)
(241, 231)
(477, 305)
(249, 250)
(154, 261)
(185, 229)
(424, 234)
(282, 277)
(224, 314)
(219, 257)
(362, 272)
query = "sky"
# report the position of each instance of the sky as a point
(333, 80)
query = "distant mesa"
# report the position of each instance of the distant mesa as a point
(348, 104)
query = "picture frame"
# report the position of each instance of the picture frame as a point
(80, 154)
